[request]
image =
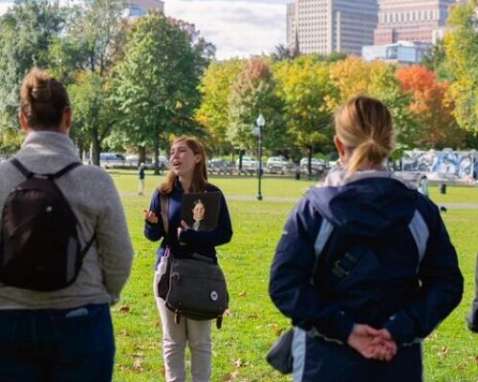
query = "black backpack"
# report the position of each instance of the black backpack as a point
(39, 246)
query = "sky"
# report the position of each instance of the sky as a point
(238, 28)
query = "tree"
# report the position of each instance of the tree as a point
(26, 32)
(94, 113)
(282, 53)
(156, 85)
(461, 45)
(436, 61)
(216, 87)
(254, 93)
(83, 57)
(353, 76)
(430, 107)
(303, 86)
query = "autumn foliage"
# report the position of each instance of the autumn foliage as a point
(431, 107)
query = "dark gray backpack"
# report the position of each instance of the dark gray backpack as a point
(39, 246)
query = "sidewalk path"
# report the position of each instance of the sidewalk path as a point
(278, 199)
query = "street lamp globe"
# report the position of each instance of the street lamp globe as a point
(261, 121)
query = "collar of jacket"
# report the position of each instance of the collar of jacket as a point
(50, 140)
(337, 176)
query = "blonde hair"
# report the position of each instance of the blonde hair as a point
(199, 181)
(364, 125)
(43, 100)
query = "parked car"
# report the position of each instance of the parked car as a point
(133, 161)
(111, 160)
(277, 165)
(318, 166)
(220, 166)
(249, 164)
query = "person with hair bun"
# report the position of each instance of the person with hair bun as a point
(365, 268)
(64, 334)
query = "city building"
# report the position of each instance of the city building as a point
(402, 52)
(411, 20)
(137, 8)
(326, 26)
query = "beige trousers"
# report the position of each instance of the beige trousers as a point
(195, 334)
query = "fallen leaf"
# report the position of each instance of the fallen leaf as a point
(124, 309)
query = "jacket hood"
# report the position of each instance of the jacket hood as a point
(371, 204)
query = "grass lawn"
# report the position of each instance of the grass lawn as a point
(253, 323)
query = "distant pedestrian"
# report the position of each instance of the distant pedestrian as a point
(141, 176)
(423, 185)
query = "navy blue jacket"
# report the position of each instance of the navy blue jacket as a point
(394, 291)
(202, 242)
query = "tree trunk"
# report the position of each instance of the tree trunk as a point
(141, 154)
(309, 162)
(95, 149)
(241, 154)
(156, 155)
(81, 150)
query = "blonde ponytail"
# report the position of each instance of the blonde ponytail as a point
(364, 125)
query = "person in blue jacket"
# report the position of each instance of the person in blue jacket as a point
(188, 175)
(365, 268)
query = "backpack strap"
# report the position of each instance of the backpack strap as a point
(326, 229)
(164, 212)
(29, 174)
(64, 170)
(419, 230)
(88, 245)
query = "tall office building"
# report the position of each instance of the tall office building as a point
(137, 8)
(410, 20)
(326, 26)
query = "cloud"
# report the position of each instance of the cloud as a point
(236, 28)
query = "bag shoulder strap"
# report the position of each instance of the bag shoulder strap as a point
(326, 229)
(65, 170)
(28, 174)
(164, 212)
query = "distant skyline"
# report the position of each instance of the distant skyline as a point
(237, 28)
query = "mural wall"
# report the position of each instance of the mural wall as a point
(442, 165)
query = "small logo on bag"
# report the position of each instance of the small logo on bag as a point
(214, 295)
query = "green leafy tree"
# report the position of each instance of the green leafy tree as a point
(254, 93)
(436, 61)
(156, 85)
(83, 57)
(94, 113)
(216, 87)
(26, 32)
(304, 85)
(461, 46)
(354, 76)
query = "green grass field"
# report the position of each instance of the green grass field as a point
(451, 353)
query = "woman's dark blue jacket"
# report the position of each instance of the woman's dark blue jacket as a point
(393, 289)
(202, 242)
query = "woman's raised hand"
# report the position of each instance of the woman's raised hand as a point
(150, 217)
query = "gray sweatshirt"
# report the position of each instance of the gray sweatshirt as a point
(95, 201)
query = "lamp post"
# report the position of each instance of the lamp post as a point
(260, 124)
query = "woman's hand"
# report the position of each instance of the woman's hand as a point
(372, 343)
(150, 217)
(182, 227)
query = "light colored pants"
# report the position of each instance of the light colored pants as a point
(197, 334)
(141, 187)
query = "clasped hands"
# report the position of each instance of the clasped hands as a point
(372, 343)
